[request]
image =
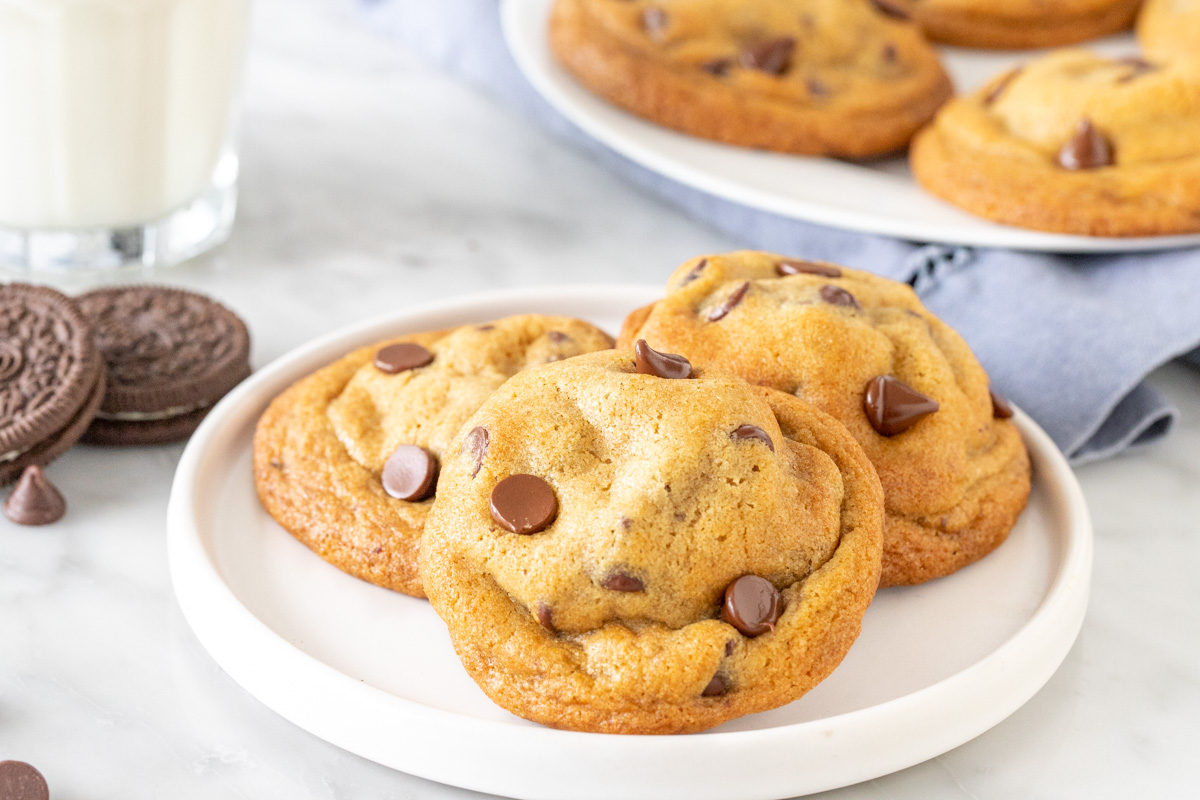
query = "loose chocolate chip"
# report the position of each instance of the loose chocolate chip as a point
(793, 266)
(410, 473)
(730, 303)
(1000, 407)
(523, 504)
(620, 582)
(476, 443)
(1086, 149)
(752, 605)
(654, 21)
(716, 687)
(694, 272)
(400, 357)
(744, 432)
(718, 67)
(545, 617)
(837, 296)
(20, 781)
(34, 500)
(893, 406)
(772, 56)
(557, 337)
(891, 9)
(649, 361)
(816, 88)
(994, 93)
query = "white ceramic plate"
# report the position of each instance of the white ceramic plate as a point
(874, 196)
(373, 672)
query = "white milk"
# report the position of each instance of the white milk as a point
(113, 112)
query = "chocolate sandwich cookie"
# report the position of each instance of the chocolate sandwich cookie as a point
(51, 377)
(170, 355)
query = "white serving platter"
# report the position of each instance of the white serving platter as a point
(373, 671)
(878, 196)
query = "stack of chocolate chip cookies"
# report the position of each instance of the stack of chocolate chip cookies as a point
(1071, 143)
(670, 534)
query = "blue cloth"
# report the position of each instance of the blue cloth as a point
(1070, 339)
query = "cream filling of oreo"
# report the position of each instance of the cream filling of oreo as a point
(11, 455)
(150, 416)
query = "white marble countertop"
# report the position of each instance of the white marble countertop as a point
(371, 184)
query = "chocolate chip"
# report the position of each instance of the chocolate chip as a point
(893, 406)
(523, 504)
(20, 781)
(1000, 407)
(837, 296)
(752, 605)
(718, 67)
(994, 93)
(400, 357)
(1086, 149)
(557, 336)
(793, 266)
(654, 21)
(485, 328)
(1138, 67)
(545, 617)
(816, 88)
(744, 432)
(891, 9)
(889, 53)
(410, 473)
(661, 365)
(694, 272)
(772, 56)
(729, 647)
(716, 687)
(730, 303)
(476, 443)
(34, 500)
(620, 582)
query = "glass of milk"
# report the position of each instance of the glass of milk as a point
(117, 121)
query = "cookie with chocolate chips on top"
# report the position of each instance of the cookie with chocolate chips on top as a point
(848, 78)
(644, 547)
(1073, 143)
(347, 459)
(864, 350)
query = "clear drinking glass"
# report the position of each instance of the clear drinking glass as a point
(117, 122)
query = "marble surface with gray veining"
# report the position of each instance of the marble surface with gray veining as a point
(372, 185)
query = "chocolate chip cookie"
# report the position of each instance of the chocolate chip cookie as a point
(1015, 24)
(640, 547)
(1073, 143)
(864, 350)
(1169, 28)
(347, 459)
(821, 77)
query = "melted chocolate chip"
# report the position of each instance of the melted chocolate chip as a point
(891, 9)
(654, 21)
(998, 89)
(620, 582)
(1000, 407)
(752, 605)
(837, 296)
(892, 406)
(485, 328)
(545, 617)
(694, 272)
(34, 500)
(716, 687)
(729, 647)
(793, 266)
(1086, 149)
(21, 781)
(558, 337)
(661, 365)
(718, 67)
(523, 504)
(410, 473)
(744, 432)
(400, 357)
(772, 56)
(730, 303)
(476, 443)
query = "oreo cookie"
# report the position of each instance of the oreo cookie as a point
(52, 378)
(170, 356)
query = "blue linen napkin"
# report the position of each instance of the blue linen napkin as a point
(1070, 339)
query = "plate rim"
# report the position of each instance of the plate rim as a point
(526, 49)
(236, 639)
